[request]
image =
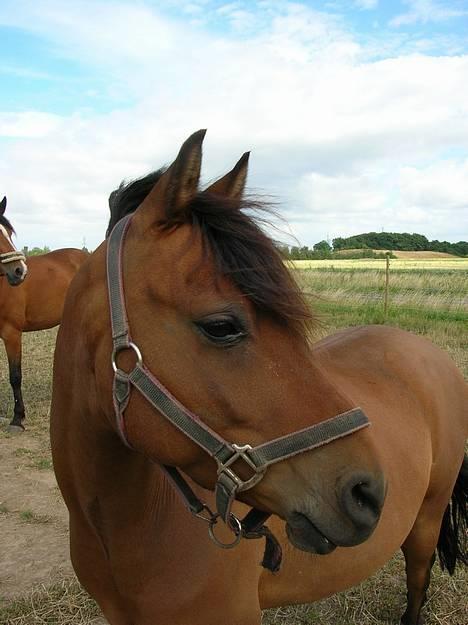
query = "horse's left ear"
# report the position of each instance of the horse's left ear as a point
(232, 185)
(3, 205)
(179, 183)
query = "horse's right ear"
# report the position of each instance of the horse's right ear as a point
(3, 205)
(179, 183)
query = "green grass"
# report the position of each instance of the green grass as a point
(31, 517)
(43, 463)
(433, 303)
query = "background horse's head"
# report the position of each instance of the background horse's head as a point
(221, 322)
(12, 262)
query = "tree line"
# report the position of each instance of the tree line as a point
(365, 246)
(403, 241)
(37, 251)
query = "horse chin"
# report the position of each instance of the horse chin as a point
(304, 535)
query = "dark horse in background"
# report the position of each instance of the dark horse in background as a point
(216, 318)
(32, 294)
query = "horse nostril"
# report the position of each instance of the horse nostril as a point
(362, 498)
(18, 272)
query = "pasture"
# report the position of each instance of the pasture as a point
(36, 582)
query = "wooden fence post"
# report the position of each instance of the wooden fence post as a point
(387, 279)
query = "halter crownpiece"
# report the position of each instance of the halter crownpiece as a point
(226, 454)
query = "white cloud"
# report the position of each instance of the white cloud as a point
(441, 189)
(28, 124)
(344, 140)
(427, 11)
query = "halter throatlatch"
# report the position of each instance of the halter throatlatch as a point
(257, 459)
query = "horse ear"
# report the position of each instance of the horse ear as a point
(3, 205)
(179, 183)
(232, 184)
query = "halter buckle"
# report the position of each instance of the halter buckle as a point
(207, 515)
(241, 452)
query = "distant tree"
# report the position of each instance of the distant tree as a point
(460, 248)
(338, 243)
(36, 251)
(322, 246)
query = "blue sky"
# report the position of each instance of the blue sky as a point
(356, 112)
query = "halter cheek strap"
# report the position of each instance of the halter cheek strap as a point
(226, 454)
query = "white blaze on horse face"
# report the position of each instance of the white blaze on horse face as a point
(7, 236)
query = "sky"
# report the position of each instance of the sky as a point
(355, 113)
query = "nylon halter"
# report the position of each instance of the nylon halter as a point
(225, 453)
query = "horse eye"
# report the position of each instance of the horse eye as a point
(226, 331)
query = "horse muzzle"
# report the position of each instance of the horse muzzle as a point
(348, 522)
(13, 265)
(16, 275)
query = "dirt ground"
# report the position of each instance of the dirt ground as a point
(33, 518)
(29, 496)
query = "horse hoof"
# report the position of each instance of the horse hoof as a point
(15, 429)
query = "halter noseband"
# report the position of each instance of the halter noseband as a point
(226, 454)
(10, 257)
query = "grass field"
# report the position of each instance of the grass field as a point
(444, 264)
(427, 300)
(432, 302)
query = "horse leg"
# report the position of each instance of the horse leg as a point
(13, 350)
(419, 551)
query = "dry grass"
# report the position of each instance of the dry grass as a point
(380, 600)
(453, 263)
(414, 255)
(64, 603)
(433, 303)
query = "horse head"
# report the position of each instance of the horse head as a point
(12, 262)
(220, 321)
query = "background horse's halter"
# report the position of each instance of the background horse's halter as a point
(10, 257)
(225, 454)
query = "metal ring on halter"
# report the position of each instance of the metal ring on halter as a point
(117, 350)
(237, 532)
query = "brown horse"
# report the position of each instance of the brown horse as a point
(35, 304)
(216, 317)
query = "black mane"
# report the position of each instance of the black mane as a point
(232, 232)
(6, 224)
(128, 197)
